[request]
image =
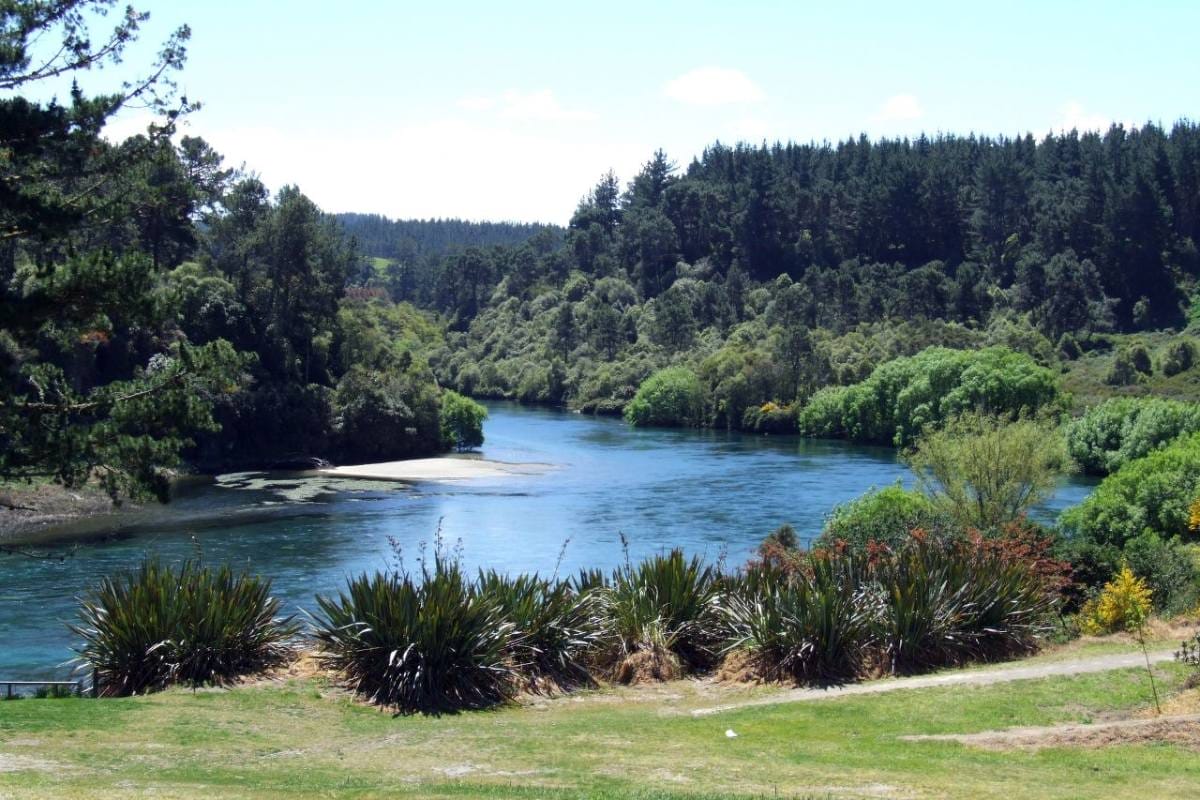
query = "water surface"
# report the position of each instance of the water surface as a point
(712, 493)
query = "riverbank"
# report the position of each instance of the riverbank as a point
(42, 513)
(299, 734)
(29, 512)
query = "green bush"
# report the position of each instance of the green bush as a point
(904, 396)
(1165, 565)
(1139, 356)
(769, 418)
(1124, 370)
(949, 604)
(823, 416)
(1151, 493)
(671, 396)
(1120, 430)
(429, 644)
(885, 516)
(833, 614)
(384, 414)
(1168, 570)
(984, 472)
(158, 625)
(1068, 347)
(461, 421)
(556, 628)
(1180, 357)
(813, 624)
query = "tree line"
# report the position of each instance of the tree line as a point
(801, 266)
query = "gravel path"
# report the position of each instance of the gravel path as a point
(977, 677)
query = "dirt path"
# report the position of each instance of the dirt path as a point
(1176, 729)
(976, 677)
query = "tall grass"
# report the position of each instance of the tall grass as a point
(157, 625)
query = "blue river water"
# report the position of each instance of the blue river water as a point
(713, 493)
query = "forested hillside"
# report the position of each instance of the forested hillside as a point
(772, 271)
(416, 239)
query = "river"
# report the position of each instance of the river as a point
(713, 493)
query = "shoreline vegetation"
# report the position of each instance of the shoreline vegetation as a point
(49, 512)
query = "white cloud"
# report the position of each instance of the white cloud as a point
(1073, 116)
(477, 103)
(484, 169)
(899, 108)
(713, 86)
(539, 106)
(126, 123)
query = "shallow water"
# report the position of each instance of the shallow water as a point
(709, 492)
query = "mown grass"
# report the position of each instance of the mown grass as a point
(304, 738)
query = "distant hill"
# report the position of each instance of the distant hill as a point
(412, 239)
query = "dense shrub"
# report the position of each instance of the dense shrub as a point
(904, 396)
(945, 604)
(1152, 493)
(383, 415)
(883, 516)
(157, 625)
(813, 623)
(1120, 430)
(824, 415)
(663, 613)
(1166, 565)
(461, 421)
(1124, 370)
(1068, 347)
(833, 614)
(984, 472)
(1168, 570)
(556, 628)
(429, 643)
(1180, 357)
(671, 396)
(1139, 357)
(769, 418)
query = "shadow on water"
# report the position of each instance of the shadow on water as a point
(710, 492)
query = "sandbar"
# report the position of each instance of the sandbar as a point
(436, 469)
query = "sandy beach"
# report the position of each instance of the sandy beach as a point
(435, 469)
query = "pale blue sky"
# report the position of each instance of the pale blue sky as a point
(511, 111)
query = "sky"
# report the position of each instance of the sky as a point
(511, 111)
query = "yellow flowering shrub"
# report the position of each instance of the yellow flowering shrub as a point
(1123, 605)
(1194, 515)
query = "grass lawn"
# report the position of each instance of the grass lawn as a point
(302, 737)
